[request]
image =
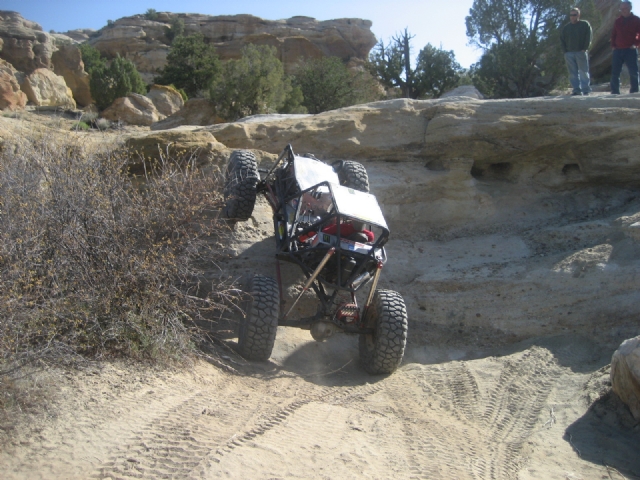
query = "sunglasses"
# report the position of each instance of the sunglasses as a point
(573, 14)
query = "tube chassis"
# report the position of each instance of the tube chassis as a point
(331, 263)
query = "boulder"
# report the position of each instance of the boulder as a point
(196, 111)
(146, 44)
(46, 89)
(67, 62)
(24, 44)
(166, 99)
(464, 91)
(134, 109)
(11, 97)
(625, 374)
(177, 145)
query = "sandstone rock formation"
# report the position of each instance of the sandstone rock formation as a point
(134, 109)
(80, 35)
(508, 215)
(167, 100)
(46, 89)
(625, 374)
(67, 62)
(196, 111)
(145, 41)
(554, 141)
(11, 97)
(464, 91)
(183, 144)
(24, 44)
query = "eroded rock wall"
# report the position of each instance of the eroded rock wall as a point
(24, 44)
(145, 42)
(508, 219)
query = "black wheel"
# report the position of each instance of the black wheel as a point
(258, 329)
(382, 351)
(354, 175)
(241, 185)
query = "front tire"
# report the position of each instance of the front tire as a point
(240, 187)
(382, 351)
(354, 175)
(258, 329)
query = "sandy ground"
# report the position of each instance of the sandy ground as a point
(457, 408)
(470, 400)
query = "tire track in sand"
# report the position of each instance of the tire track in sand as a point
(442, 405)
(308, 422)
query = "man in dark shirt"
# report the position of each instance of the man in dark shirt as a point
(625, 38)
(575, 40)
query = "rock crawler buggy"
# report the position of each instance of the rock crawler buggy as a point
(328, 224)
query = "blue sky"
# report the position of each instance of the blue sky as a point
(438, 22)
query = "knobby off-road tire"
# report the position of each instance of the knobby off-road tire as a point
(258, 329)
(382, 351)
(354, 175)
(240, 187)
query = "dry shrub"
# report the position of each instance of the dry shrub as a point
(94, 263)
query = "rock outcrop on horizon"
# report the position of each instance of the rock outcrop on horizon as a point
(24, 44)
(146, 44)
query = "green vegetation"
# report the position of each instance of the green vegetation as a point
(80, 126)
(253, 84)
(110, 81)
(91, 57)
(151, 14)
(92, 264)
(436, 71)
(119, 79)
(192, 65)
(175, 29)
(327, 84)
(520, 40)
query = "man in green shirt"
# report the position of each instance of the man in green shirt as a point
(576, 38)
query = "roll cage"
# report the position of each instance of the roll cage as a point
(312, 211)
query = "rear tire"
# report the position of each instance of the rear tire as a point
(382, 351)
(240, 187)
(354, 175)
(258, 329)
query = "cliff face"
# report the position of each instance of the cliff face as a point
(23, 43)
(521, 216)
(146, 43)
(25, 46)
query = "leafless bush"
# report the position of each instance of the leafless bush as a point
(93, 262)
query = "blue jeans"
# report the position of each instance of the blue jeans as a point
(578, 66)
(628, 56)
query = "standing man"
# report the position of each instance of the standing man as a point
(576, 38)
(624, 40)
